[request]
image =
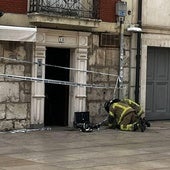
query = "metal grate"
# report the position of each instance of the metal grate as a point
(109, 40)
(76, 8)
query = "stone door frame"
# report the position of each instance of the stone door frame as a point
(78, 44)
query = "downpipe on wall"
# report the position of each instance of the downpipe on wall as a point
(138, 55)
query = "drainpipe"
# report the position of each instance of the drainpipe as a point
(138, 55)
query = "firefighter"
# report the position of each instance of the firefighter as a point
(126, 115)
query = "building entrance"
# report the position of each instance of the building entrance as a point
(56, 96)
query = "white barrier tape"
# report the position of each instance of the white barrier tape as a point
(49, 65)
(24, 78)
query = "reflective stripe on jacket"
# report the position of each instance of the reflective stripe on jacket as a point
(119, 110)
(135, 106)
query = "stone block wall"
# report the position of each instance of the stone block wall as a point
(15, 95)
(104, 60)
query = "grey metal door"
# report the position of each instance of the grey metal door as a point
(158, 83)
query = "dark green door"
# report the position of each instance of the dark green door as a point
(158, 84)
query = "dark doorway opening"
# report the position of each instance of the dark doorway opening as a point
(56, 96)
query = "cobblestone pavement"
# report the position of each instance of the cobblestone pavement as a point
(70, 149)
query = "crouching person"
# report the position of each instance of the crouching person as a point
(126, 115)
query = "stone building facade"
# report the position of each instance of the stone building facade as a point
(155, 49)
(105, 60)
(75, 43)
(25, 103)
(15, 95)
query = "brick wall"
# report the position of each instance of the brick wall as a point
(14, 6)
(107, 10)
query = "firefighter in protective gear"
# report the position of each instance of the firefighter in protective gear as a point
(125, 114)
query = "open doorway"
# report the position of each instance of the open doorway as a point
(56, 96)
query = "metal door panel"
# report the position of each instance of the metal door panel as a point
(158, 83)
(161, 66)
(161, 97)
(150, 92)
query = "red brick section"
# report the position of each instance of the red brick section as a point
(14, 6)
(107, 10)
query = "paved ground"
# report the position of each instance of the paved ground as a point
(68, 149)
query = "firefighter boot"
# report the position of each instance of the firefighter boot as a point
(142, 125)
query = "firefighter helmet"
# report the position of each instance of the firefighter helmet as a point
(108, 103)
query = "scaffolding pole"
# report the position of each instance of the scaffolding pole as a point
(121, 60)
(121, 11)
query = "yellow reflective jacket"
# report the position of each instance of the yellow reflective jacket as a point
(120, 109)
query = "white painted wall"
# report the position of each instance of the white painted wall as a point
(156, 13)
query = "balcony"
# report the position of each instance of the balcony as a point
(75, 14)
